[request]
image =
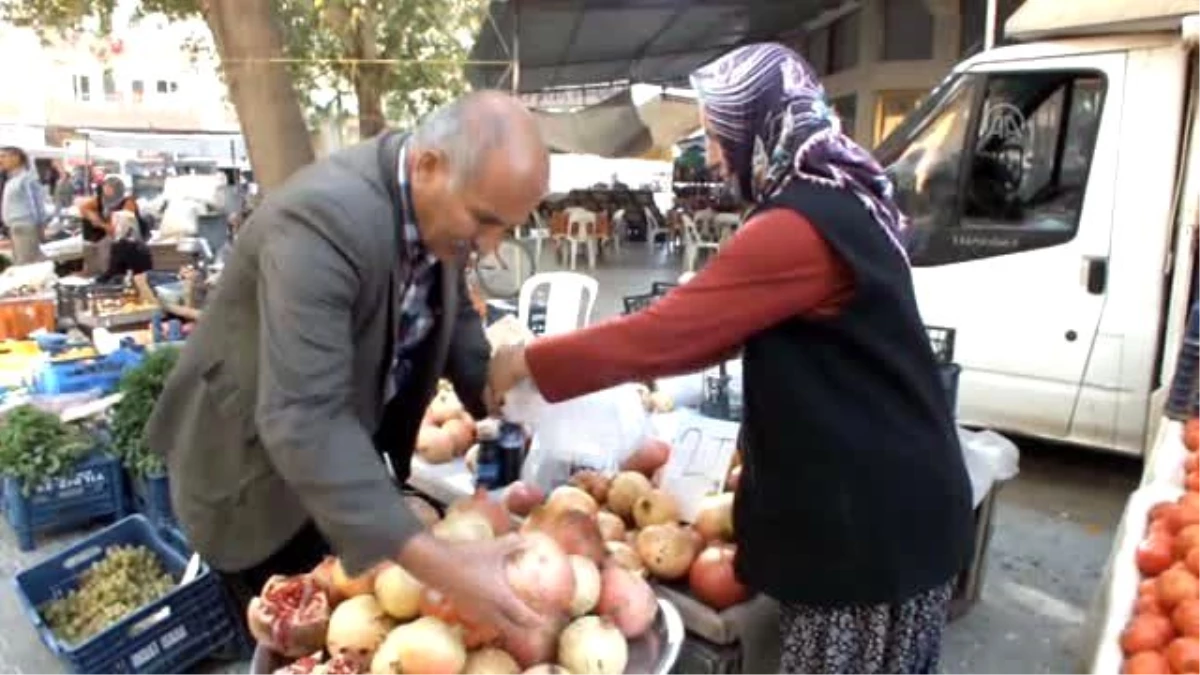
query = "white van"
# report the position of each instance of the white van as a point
(1052, 187)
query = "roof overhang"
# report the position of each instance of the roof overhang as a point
(1039, 19)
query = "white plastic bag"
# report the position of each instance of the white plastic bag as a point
(990, 458)
(597, 431)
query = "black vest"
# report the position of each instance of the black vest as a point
(853, 488)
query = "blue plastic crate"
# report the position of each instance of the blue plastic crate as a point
(102, 372)
(167, 636)
(94, 490)
(152, 498)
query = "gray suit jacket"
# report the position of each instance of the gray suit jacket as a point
(275, 413)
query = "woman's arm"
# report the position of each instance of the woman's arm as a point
(777, 266)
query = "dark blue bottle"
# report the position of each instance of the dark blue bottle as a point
(512, 450)
(490, 470)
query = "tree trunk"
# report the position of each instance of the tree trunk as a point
(249, 44)
(368, 90)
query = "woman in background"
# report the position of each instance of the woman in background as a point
(22, 206)
(128, 254)
(854, 507)
(98, 225)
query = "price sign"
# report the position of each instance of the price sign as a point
(700, 457)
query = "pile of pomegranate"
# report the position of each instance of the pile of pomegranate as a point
(631, 519)
(386, 621)
(447, 430)
(1163, 634)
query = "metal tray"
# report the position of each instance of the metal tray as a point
(654, 652)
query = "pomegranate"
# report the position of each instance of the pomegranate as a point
(712, 579)
(491, 661)
(427, 645)
(444, 407)
(322, 575)
(612, 528)
(577, 533)
(666, 550)
(434, 445)
(568, 498)
(520, 498)
(591, 644)
(647, 459)
(546, 669)
(482, 504)
(655, 508)
(349, 587)
(356, 629)
(627, 599)
(535, 646)
(714, 520)
(461, 436)
(626, 488)
(290, 616)
(587, 585)
(541, 574)
(592, 482)
(623, 554)
(301, 666)
(398, 592)
(464, 526)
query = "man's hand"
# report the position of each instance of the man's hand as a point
(472, 575)
(506, 370)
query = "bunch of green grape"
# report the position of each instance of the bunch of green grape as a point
(125, 580)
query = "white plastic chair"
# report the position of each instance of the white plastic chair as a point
(581, 228)
(693, 243)
(568, 299)
(539, 233)
(617, 229)
(725, 224)
(653, 227)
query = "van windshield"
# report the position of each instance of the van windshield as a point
(995, 153)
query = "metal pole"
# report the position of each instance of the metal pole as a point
(989, 30)
(516, 47)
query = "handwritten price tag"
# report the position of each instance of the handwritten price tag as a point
(700, 457)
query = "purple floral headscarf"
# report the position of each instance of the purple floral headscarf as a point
(767, 110)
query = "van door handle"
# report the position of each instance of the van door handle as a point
(1095, 274)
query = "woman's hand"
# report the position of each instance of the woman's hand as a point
(506, 369)
(472, 575)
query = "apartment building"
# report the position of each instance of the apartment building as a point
(142, 77)
(878, 58)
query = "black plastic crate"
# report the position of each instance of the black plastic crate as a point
(941, 339)
(636, 303)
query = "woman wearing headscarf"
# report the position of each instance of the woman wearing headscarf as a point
(98, 223)
(854, 507)
(128, 253)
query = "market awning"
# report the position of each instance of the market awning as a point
(1041, 18)
(577, 42)
(616, 127)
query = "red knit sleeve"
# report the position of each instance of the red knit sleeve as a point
(777, 266)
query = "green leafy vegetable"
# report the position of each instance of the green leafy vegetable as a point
(36, 446)
(141, 387)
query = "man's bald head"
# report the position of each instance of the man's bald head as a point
(481, 128)
(478, 166)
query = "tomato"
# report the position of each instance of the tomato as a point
(1174, 586)
(1187, 539)
(1147, 587)
(1184, 655)
(1159, 510)
(1146, 663)
(1192, 560)
(1191, 481)
(1191, 462)
(1191, 434)
(1154, 555)
(1146, 633)
(1147, 604)
(1186, 618)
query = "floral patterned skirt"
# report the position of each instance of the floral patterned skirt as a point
(902, 638)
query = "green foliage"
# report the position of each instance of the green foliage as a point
(404, 54)
(140, 388)
(36, 446)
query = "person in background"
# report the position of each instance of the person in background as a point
(854, 507)
(128, 254)
(23, 207)
(98, 225)
(64, 190)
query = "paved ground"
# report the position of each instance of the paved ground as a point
(1053, 528)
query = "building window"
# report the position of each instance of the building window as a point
(109, 82)
(973, 16)
(161, 86)
(82, 86)
(843, 43)
(139, 90)
(846, 108)
(907, 31)
(891, 107)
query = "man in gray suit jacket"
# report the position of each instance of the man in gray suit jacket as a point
(340, 306)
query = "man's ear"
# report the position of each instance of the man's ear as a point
(427, 164)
